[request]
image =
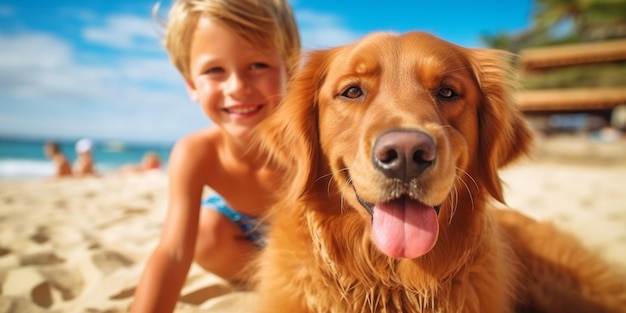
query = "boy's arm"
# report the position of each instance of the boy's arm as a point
(167, 267)
(160, 284)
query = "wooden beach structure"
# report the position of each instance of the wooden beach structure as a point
(537, 60)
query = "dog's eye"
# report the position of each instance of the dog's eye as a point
(446, 93)
(352, 92)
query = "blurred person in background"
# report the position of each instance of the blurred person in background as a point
(62, 167)
(150, 162)
(84, 164)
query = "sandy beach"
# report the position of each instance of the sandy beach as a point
(80, 245)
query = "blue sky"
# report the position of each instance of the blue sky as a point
(74, 68)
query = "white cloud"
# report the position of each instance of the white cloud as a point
(44, 90)
(125, 32)
(323, 30)
(41, 66)
(23, 51)
(31, 64)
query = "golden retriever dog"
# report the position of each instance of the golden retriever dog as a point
(391, 147)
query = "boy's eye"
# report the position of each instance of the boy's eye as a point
(258, 65)
(214, 70)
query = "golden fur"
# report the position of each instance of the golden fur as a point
(322, 256)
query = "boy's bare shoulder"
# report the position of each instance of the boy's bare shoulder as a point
(198, 147)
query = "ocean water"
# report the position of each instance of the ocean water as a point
(25, 159)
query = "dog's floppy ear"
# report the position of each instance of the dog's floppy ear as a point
(290, 135)
(504, 135)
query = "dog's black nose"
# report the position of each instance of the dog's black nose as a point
(404, 154)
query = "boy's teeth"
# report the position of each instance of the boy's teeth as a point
(242, 110)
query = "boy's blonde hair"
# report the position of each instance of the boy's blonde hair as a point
(263, 23)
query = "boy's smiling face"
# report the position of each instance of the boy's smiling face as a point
(236, 84)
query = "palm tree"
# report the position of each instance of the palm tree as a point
(566, 21)
(551, 13)
(590, 19)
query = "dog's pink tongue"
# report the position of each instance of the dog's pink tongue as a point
(404, 228)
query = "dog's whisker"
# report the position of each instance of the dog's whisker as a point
(470, 177)
(454, 201)
(456, 205)
(324, 176)
(328, 187)
(343, 208)
(469, 191)
(332, 177)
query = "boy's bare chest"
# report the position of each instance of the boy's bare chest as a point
(247, 192)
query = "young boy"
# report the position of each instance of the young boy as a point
(62, 167)
(235, 57)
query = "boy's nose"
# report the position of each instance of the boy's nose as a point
(237, 84)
